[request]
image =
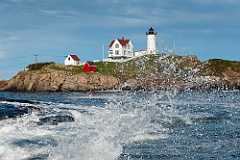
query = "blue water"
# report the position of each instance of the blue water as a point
(121, 126)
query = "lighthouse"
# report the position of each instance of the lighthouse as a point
(151, 41)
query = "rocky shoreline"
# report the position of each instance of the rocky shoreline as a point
(185, 73)
(58, 81)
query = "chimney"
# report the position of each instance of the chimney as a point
(122, 38)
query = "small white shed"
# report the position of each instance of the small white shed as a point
(72, 59)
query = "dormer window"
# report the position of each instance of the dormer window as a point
(116, 45)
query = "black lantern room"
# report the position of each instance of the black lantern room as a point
(151, 31)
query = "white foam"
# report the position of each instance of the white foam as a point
(96, 133)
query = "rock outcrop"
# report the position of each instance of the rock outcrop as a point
(54, 81)
(207, 83)
(150, 72)
(3, 83)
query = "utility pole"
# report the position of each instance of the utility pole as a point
(103, 51)
(36, 55)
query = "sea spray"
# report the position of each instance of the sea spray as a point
(127, 125)
(102, 132)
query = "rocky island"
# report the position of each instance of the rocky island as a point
(149, 72)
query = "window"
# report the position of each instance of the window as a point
(116, 45)
(117, 52)
(68, 58)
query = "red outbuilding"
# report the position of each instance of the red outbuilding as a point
(89, 66)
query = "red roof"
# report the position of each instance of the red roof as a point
(123, 42)
(74, 57)
(111, 43)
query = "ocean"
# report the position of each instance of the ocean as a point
(120, 125)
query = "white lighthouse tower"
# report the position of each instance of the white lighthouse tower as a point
(151, 41)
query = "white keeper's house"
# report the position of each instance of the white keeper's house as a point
(120, 48)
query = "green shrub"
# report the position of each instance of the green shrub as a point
(37, 66)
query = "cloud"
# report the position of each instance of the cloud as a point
(162, 13)
(12, 38)
(217, 2)
(230, 1)
(59, 13)
(15, 1)
(8, 36)
(2, 54)
(45, 23)
(50, 12)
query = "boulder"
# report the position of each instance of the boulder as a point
(3, 84)
(54, 81)
(55, 119)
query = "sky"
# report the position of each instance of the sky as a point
(52, 29)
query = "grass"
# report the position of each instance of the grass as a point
(108, 68)
(70, 69)
(38, 66)
(149, 65)
(216, 67)
(43, 66)
(160, 64)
